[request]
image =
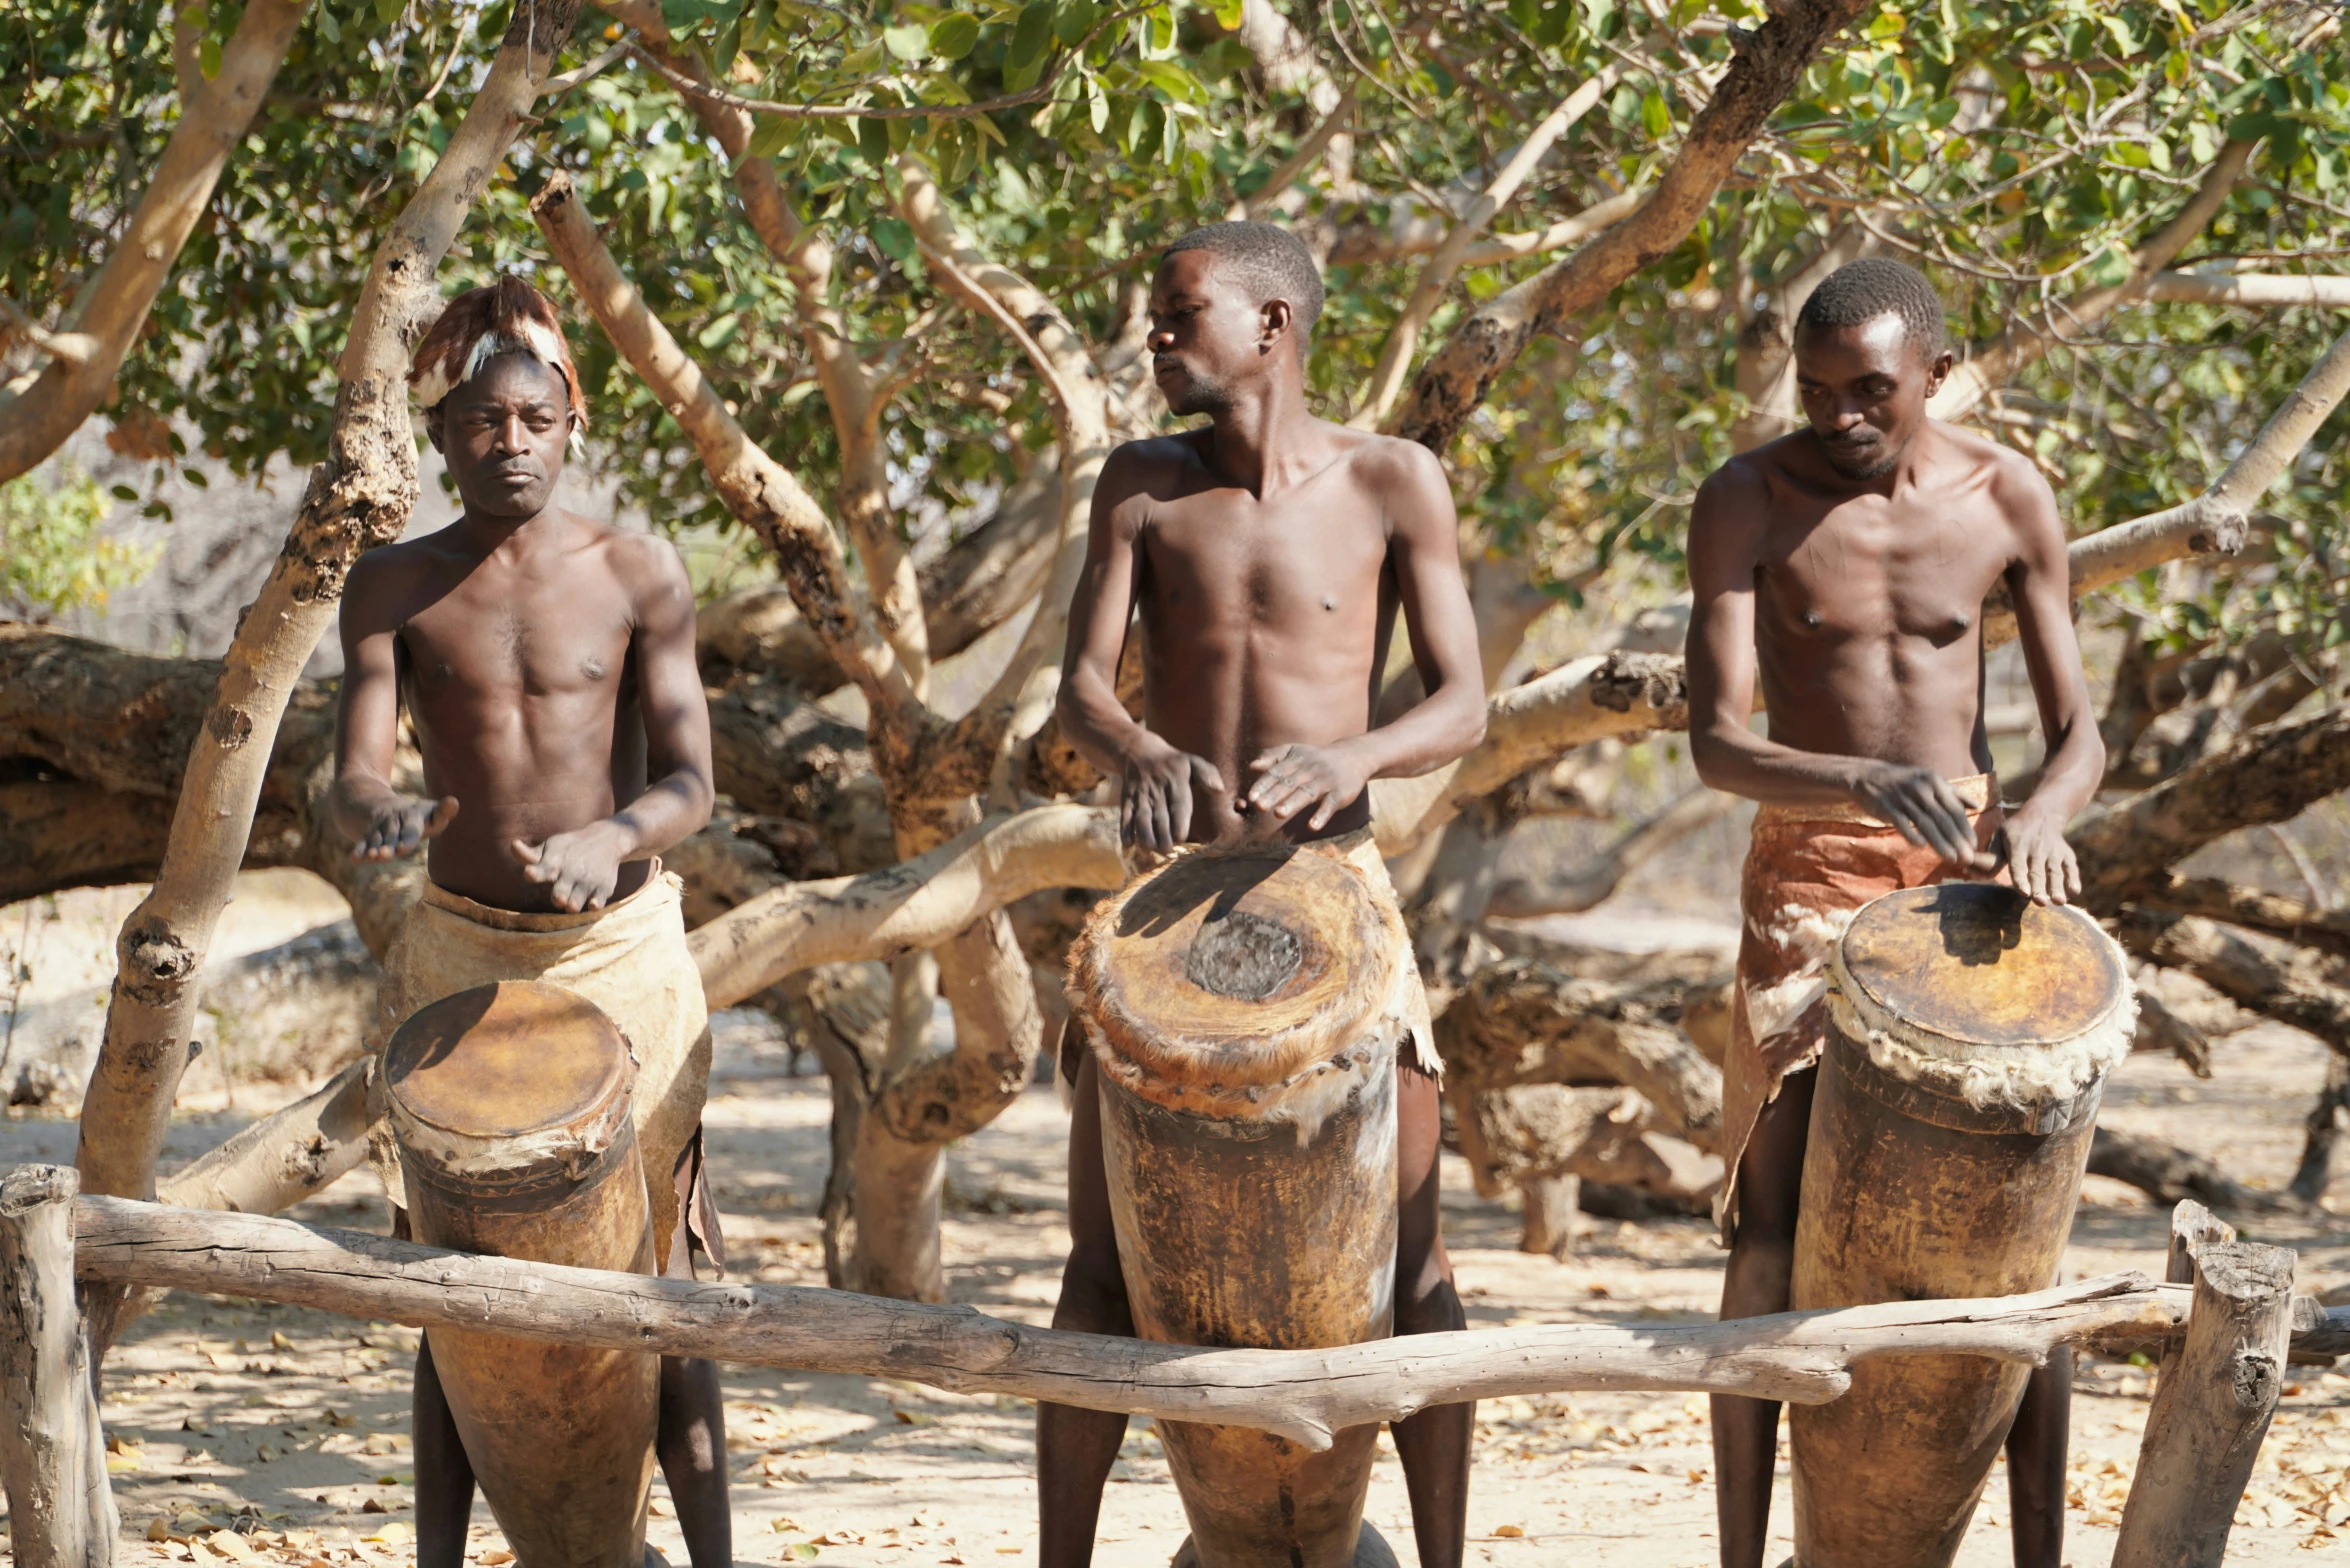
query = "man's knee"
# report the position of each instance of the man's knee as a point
(1093, 1293)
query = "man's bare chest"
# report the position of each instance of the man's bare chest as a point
(1293, 566)
(1875, 569)
(503, 640)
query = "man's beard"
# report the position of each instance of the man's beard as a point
(1197, 395)
(1873, 461)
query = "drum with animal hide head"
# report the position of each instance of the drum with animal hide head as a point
(511, 1106)
(1970, 1033)
(1244, 1008)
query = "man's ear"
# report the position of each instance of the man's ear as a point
(1273, 323)
(1939, 371)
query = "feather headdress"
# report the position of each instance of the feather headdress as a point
(505, 317)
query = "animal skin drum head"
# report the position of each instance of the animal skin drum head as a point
(501, 1061)
(1982, 964)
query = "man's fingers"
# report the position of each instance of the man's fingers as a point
(443, 813)
(1178, 809)
(1203, 772)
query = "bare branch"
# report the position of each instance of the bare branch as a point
(2030, 339)
(756, 488)
(1300, 161)
(1403, 338)
(1768, 64)
(2248, 288)
(110, 309)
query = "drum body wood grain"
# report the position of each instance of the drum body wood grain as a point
(1243, 1011)
(1970, 1035)
(511, 1106)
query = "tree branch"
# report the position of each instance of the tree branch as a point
(764, 494)
(2030, 339)
(108, 312)
(2248, 288)
(1403, 338)
(1300, 161)
(1769, 62)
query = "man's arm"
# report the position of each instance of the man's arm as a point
(1725, 539)
(382, 822)
(2040, 583)
(1424, 548)
(1156, 781)
(583, 866)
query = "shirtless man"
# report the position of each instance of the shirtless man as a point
(547, 663)
(1267, 552)
(1846, 566)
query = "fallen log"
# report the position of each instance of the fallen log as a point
(2173, 1175)
(1304, 1395)
(2294, 985)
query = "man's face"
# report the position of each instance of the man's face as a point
(1864, 389)
(1208, 336)
(503, 434)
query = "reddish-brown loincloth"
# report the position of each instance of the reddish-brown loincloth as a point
(1808, 870)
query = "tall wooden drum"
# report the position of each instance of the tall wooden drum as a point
(1244, 1011)
(510, 1103)
(1970, 1032)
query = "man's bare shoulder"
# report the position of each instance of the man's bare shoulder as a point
(1738, 491)
(389, 574)
(2015, 481)
(1385, 462)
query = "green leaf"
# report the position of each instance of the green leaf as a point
(1073, 19)
(1655, 118)
(1228, 13)
(910, 41)
(873, 141)
(208, 56)
(895, 237)
(954, 36)
(388, 11)
(1031, 36)
(123, 493)
(328, 27)
(195, 476)
(805, 1551)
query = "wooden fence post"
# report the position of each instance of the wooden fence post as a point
(2212, 1404)
(52, 1453)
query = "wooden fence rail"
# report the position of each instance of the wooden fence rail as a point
(1305, 1395)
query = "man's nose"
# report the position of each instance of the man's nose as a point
(1161, 339)
(510, 437)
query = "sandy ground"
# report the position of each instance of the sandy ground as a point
(247, 1432)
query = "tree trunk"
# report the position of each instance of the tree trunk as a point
(2318, 1152)
(1304, 1395)
(2212, 1405)
(52, 1453)
(107, 313)
(1552, 1202)
(359, 497)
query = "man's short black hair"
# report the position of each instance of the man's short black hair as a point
(1861, 291)
(1268, 259)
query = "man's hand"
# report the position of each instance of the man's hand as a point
(582, 866)
(1921, 803)
(1291, 778)
(397, 824)
(1155, 799)
(2039, 859)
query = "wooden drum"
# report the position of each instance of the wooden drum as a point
(1970, 1032)
(510, 1103)
(1244, 1009)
